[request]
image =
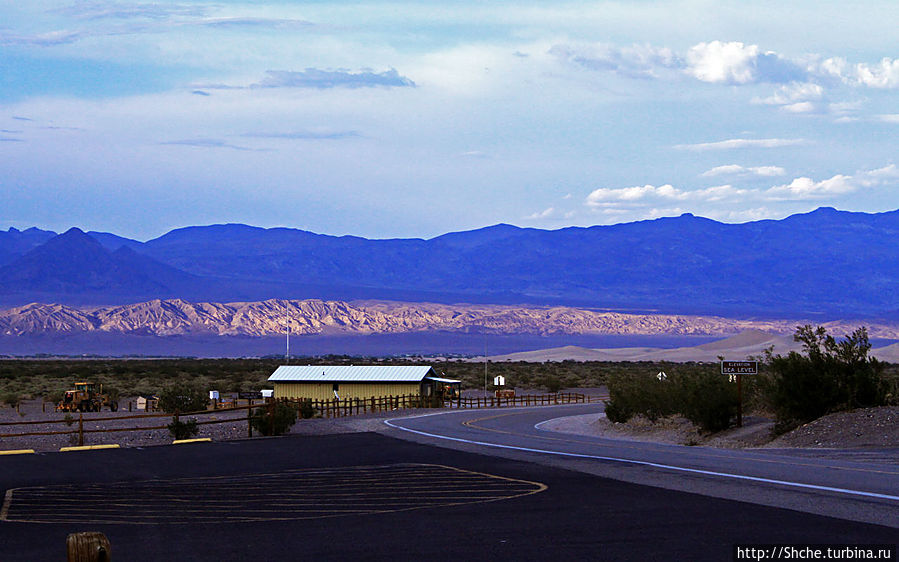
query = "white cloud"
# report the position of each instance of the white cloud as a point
(735, 63)
(655, 213)
(884, 75)
(604, 196)
(793, 93)
(613, 197)
(889, 118)
(796, 97)
(807, 188)
(544, 214)
(879, 174)
(47, 39)
(317, 78)
(636, 61)
(722, 62)
(737, 170)
(801, 107)
(716, 193)
(730, 144)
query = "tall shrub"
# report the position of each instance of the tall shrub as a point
(274, 420)
(182, 397)
(829, 376)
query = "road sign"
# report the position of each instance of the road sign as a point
(735, 370)
(739, 367)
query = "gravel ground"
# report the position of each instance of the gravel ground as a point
(673, 429)
(862, 428)
(865, 427)
(236, 429)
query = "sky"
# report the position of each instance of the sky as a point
(412, 119)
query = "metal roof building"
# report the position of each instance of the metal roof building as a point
(326, 382)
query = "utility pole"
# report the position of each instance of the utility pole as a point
(485, 363)
(287, 355)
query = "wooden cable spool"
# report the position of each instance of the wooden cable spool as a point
(88, 547)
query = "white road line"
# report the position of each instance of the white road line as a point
(647, 463)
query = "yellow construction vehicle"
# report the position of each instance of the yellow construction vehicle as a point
(86, 397)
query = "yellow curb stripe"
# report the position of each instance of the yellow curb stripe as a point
(88, 448)
(198, 440)
(17, 452)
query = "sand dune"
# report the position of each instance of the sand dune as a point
(751, 343)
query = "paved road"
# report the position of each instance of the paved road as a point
(368, 496)
(863, 487)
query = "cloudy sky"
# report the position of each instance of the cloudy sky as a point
(411, 119)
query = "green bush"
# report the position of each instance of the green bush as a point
(639, 393)
(708, 400)
(704, 397)
(182, 397)
(285, 415)
(829, 376)
(12, 399)
(183, 430)
(306, 410)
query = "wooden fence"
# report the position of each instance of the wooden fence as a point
(324, 408)
(81, 420)
(335, 408)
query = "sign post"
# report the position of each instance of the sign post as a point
(738, 369)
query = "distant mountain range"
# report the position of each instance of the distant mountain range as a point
(315, 317)
(823, 264)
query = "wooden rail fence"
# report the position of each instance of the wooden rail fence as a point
(335, 408)
(324, 408)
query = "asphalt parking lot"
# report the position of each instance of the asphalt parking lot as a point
(369, 496)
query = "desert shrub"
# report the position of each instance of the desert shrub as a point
(829, 376)
(306, 410)
(639, 393)
(707, 399)
(12, 399)
(183, 429)
(182, 397)
(704, 397)
(551, 383)
(285, 415)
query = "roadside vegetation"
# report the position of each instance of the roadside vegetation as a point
(699, 394)
(49, 378)
(829, 376)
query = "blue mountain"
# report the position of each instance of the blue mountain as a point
(823, 263)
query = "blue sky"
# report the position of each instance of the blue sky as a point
(411, 119)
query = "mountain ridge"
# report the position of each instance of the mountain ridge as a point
(793, 267)
(177, 317)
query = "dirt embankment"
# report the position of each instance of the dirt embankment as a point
(862, 428)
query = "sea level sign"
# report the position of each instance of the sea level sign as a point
(739, 367)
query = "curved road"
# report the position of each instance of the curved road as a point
(848, 485)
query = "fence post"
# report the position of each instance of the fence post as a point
(271, 415)
(80, 430)
(249, 422)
